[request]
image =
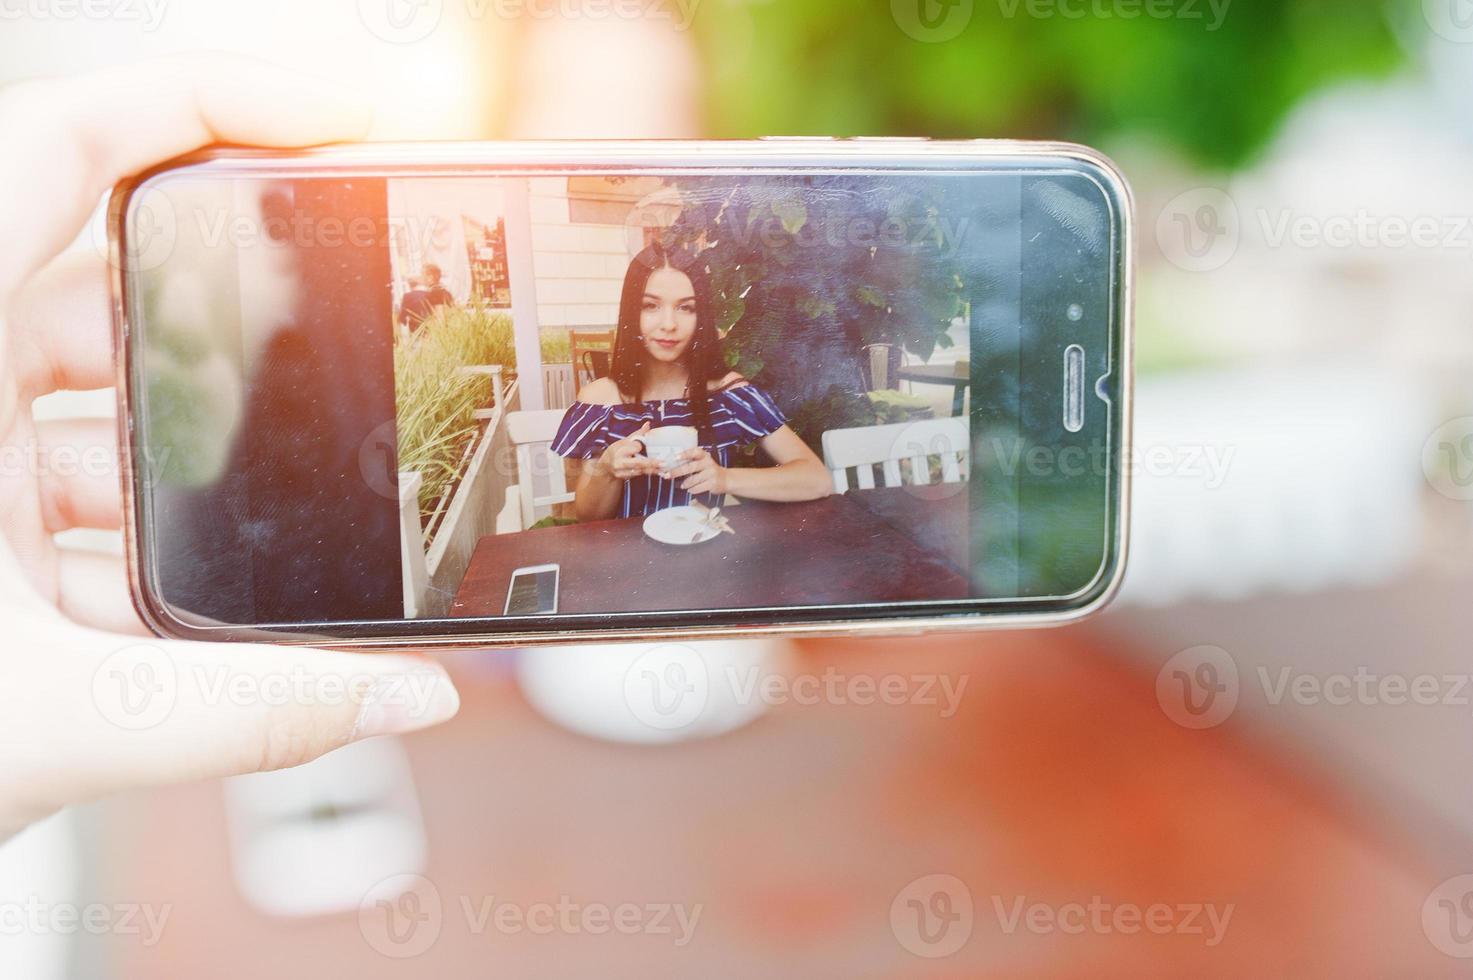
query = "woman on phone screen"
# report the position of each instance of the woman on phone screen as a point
(668, 369)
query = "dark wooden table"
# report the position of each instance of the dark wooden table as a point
(882, 545)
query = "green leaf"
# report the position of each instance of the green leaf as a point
(814, 307)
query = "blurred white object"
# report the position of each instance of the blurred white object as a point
(1350, 237)
(649, 693)
(38, 869)
(315, 840)
(1260, 481)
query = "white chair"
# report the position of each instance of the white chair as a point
(886, 445)
(541, 480)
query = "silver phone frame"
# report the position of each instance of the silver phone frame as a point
(443, 159)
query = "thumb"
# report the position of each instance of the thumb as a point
(152, 713)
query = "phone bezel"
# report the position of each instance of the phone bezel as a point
(459, 159)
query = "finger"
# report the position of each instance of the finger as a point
(76, 467)
(643, 467)
(86, 132)
(573, 79)
(62, 328)
(93, 591)
(154, 713)
(705, 478)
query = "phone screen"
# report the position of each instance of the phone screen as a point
(363, 399)
(532, 592)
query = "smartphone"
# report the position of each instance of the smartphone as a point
(368, 394)
(533, 592)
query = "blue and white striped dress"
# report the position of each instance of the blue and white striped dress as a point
(739, 415)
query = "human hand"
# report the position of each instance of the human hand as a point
(625, 459)
(701, 472)
(86, 706)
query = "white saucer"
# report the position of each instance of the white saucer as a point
(679, 525)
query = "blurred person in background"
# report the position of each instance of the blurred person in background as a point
(425, 295)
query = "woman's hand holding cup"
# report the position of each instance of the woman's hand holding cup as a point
(700, 473)
(625, 459)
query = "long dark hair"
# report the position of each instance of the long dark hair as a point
(703, 359)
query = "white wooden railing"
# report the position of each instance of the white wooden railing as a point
(432, 574)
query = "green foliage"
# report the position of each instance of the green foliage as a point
(556, 347)
(1212, 78)
(806, 271)
(435, 401)
(840, 408)
(836, 408)
(892, 406)
(547, 522)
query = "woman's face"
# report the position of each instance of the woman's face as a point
(667, 318)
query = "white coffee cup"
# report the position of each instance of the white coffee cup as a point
(666, 443)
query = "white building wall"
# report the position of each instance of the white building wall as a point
(580, 267)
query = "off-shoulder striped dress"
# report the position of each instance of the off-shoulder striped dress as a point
(739, 415)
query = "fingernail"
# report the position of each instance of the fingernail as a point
(407, 700)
